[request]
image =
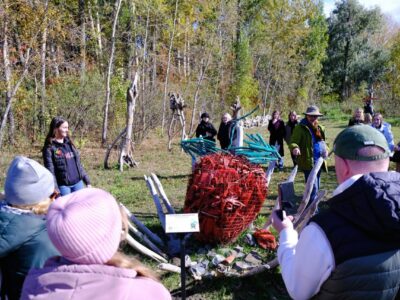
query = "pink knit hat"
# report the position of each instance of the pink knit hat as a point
(85, 226)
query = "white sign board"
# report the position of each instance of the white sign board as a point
(180, 223)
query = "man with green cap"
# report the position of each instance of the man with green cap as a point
(352, 249)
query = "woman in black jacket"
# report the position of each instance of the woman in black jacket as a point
(224, 131)
(276, 128)
(61, 158)
(206, 129)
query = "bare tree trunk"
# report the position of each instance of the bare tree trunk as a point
(188, 67)
(83, 37)
(132, 49)
(96, 31)
(109, 72)
(43, 79)
(185, 63)
(168, 67)
(154, 69)
(178, 58)
(99, 41)
(54, 58)
(266, 97)
(10, 90)
(203, 69)
(11, 128)
(18, 44)
(144, 87)
(35, 124)
(126, 147)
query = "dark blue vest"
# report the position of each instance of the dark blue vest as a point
(364, 219)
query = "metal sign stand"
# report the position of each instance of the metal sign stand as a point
(182, 224)
(183, 265)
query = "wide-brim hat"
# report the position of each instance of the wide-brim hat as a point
(313, 110)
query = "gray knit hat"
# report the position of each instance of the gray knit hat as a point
(27, 182)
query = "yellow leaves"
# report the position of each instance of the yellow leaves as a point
(26, 19)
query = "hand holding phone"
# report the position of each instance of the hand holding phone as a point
(280, 212)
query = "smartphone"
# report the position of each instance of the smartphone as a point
(280, 212)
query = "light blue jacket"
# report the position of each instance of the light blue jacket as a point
(386, 130)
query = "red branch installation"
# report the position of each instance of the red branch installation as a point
(227, 191)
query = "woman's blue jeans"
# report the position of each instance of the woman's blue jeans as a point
(68, 189)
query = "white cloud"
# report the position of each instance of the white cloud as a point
(389, 7)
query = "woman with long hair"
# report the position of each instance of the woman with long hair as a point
(62, 159)
(358, 117)
(87, 227)
(276, 128)
(385, 128)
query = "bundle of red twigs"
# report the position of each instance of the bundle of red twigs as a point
(227, 191)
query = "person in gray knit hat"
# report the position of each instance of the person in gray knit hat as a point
(24, 242)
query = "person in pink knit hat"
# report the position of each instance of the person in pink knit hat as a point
(86, 227)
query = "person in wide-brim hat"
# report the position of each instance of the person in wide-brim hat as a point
(313, 110)
(308, 144)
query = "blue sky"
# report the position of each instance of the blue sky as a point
(388, 7)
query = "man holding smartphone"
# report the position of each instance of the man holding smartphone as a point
(352, 249)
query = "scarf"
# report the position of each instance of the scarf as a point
(316, 130)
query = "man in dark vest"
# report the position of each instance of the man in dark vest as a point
(352, 249)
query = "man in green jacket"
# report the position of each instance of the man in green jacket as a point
(308, 144)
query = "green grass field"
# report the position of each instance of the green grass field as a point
(173, 169)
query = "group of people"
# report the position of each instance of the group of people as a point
(229, 134)
(65, 248)
(69, 247)
(305, 139)
(376, 120)
(351, 250)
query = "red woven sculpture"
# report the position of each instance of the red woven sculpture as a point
(227, 191)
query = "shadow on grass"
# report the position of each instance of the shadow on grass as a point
(178, 176)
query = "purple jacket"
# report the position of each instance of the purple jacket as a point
(60, 279)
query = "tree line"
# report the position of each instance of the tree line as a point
(77, 58)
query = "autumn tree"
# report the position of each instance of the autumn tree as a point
(352, 57)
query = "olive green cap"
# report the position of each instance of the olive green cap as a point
(352, 139)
